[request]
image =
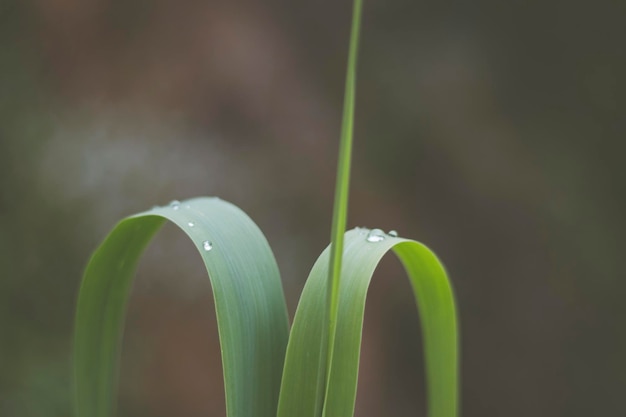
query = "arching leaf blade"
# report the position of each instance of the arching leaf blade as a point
(100, 314)
(249, 301)
(436, 306)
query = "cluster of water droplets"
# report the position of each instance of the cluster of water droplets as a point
(207, 245)
(176, 204)
(376, 235)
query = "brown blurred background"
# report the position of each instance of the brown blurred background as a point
(492, 131)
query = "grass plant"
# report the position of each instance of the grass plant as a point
(270, 369)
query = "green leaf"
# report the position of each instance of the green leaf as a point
(436, 307)
(340, 209)
(249, 302)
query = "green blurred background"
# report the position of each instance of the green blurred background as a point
(492, 131)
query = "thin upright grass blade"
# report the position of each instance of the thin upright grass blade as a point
(436, 307)
(340, 208)
(249, 301)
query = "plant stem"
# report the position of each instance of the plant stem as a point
(340, 210)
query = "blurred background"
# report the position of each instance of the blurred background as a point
(491, 131)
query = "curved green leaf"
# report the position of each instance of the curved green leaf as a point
(249, 302)
(435, 301)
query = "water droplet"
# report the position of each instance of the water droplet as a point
(393, 233)
(175, 204)
(375, 235)
(207, 245)
(191, 224)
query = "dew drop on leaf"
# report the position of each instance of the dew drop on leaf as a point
(175, 204)
(207, 245)
(375, 235)
(191, 224)
(393, 233)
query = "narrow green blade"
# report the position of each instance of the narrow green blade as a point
(436, 306)
(249, 302)
(340, 208)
